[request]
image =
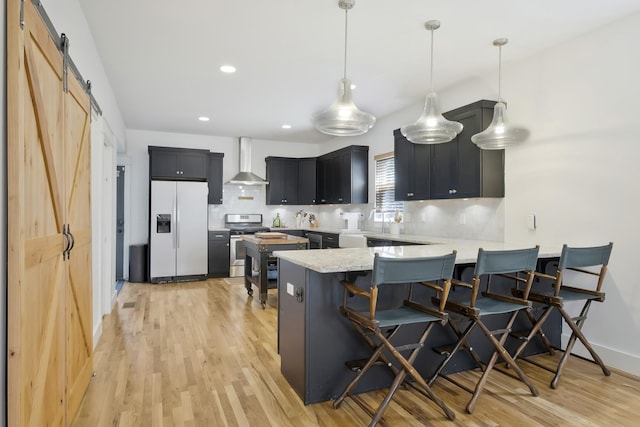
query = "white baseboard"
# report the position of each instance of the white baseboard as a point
(612, 358)
(97, 333)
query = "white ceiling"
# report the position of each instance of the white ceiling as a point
(162, 57)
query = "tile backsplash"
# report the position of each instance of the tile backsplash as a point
(465, 218)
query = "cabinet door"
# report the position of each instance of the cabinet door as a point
(412, 164)
(290, 178)
(215, 178)
(174, 163)
(164, 164)
(443, 169)
(459, 169)
(282, 174)
(330, 241)
(193, 165)
(343, 178)
(218, 254)
(306, 181)
(468, 167)
(322, 166)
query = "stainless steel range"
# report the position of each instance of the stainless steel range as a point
(239, 225)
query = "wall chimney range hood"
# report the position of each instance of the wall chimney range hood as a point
(245, 176)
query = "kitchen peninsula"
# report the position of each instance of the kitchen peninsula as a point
(315, 341)
(259, 247)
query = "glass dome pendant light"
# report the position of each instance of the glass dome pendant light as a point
(499, 134)
(343, 118)
(431, 127)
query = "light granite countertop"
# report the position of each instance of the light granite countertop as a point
(361, 259)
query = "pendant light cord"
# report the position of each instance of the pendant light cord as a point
(431, 71)
(499, 73)
(345, 42)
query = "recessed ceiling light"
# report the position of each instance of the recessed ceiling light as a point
(228, 69)
(286, 126)
(353, 86)
(203, 119)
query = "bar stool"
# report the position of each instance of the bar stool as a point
(586, 262)
(473, 308)
(378, 325)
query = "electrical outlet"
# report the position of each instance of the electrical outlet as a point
(462, 219)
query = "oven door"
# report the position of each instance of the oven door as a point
(237, 255)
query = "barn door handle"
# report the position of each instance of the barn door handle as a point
(73, 241)
(66, 237)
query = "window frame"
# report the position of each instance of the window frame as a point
(385, 178)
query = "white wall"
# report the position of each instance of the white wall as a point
(579, 173)
(68, 18)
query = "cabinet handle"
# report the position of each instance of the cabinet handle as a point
(340, 199)
(453, 191)
(409, 194)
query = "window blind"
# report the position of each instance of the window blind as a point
(385, 187)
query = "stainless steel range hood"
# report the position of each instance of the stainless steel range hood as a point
(245, 176)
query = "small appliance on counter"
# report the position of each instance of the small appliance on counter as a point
(352, 221)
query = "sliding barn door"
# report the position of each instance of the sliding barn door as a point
(79, 321)
(49, 297)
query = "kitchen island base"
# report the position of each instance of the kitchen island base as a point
(258, 254)
(315, 341)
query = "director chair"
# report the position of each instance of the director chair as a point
(478, 305)
(583, 263)
(378, 325)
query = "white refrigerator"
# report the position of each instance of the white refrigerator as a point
(178, 236)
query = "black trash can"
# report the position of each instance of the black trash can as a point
(138, 263)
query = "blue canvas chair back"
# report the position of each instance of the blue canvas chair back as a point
(506, 261)
(409, 270)
(584, 257)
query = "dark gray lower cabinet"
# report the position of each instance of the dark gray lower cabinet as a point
(330, 241)
(218, 254)
(315, 341)
(373, 242)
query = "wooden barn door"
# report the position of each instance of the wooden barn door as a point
(49, 296)
(79, 321)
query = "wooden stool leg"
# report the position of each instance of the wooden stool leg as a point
(576, 329)
(358, 377)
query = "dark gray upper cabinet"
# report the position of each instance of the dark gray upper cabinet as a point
(178, 163)
(282, 174)
(411, 164)
(343, 176)
(307, 181)
(215, 178)
(459, 169)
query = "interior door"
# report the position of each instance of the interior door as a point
(79, 321)
(120, 174)
(36, 215)
(192, 238)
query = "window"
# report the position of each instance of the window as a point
(386, 204)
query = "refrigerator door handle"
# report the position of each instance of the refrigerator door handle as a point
(176, 223)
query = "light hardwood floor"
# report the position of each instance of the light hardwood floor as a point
(204, 354)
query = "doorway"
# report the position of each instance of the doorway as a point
(120, 225)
